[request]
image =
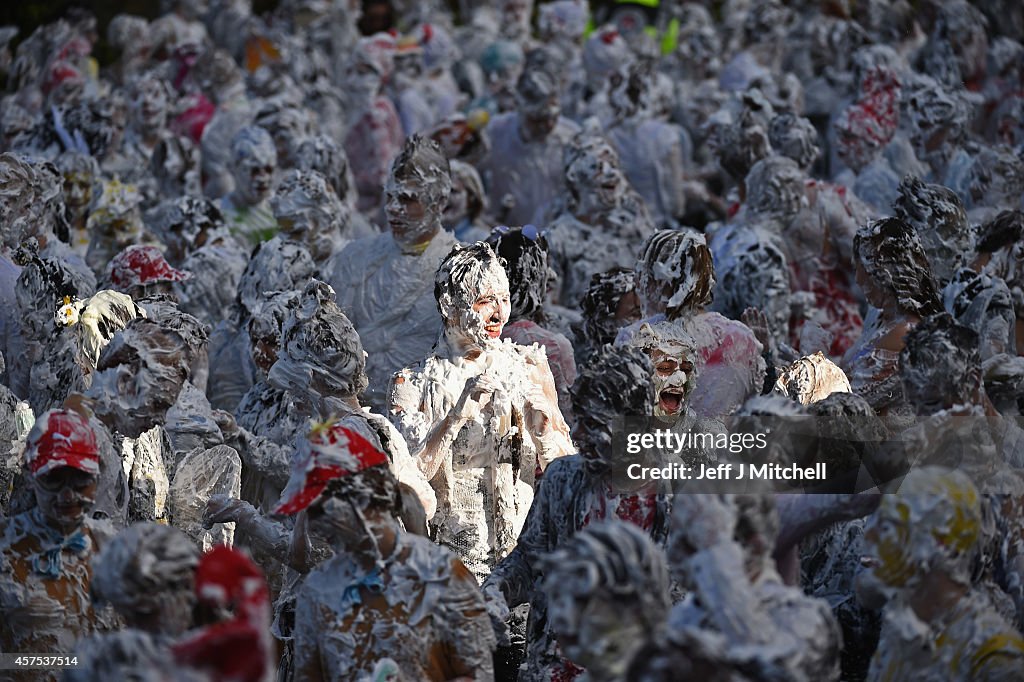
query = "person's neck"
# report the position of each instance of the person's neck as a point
(387, 538)
(892, 310)
(528, 137)
(242, 201)
(326, 406)
(461, 345)
(590, 213)
(420, 247)
(149, 137)
(936, 596)
(64, 529)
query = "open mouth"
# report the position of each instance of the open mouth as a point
(493, 330)
(670, 400)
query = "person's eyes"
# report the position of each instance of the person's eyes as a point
(49, 483)
(81, 483)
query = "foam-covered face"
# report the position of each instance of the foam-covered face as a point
(492, 309)
(501, 84)
(254, 179)
(936, 118)
(540, 117)
(338, 520)
(309, 227)
(563, 22)
(997, 178)
(888, 537)
(149, 107)
(998, 334)
(593, 631)
(64, 496)
(673, 377)
(654, 294)
(597, 180)
(408, 68)
(627, 310)
(131, 397)
(482, 321)
(77, 190)
(458, 203)
(362, 80)
(413, 222)
(516, 14)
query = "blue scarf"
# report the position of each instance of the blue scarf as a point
(49, 563)
(371, 581)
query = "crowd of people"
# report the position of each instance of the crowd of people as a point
(319, 328)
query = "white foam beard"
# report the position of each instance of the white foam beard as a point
(469, 328)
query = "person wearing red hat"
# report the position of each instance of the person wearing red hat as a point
(142, 271)
(191, 617)
(147, 574)
(237, 646)
(46, 552)
(387, 597)
(315, 373)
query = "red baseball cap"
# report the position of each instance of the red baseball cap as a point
(62, 438)
(140, 264)
(238, 649)
(329, 452)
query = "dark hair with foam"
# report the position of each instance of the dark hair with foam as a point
(616, 559)
(421, 160)
(462, 264)
(892, 254)
(525, 253)
(615, 381)
(940, 348)
(681, 261)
